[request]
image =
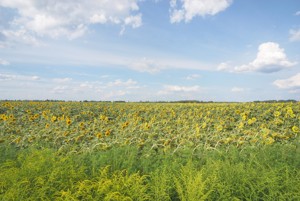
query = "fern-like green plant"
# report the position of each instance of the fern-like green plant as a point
(191, 184)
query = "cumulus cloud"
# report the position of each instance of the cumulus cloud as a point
(295, 35)
(168, 89)
(4, 62)
(69, 18)
(270, 58)
(188, 9)
(292, 82)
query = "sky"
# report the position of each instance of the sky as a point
(150, 50)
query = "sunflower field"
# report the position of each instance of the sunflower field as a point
(149, 151)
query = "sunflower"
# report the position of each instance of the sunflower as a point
(98, 135)
(108, 132)
(47, 126)
(295, 129)
(68, 121)
(277, 113)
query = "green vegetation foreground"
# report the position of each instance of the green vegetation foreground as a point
(149, 151)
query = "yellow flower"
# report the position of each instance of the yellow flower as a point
(277, 113)
(108, 132)
(47, 126)
(4, 117)
(251, 121)
(68, 121)
(219, 128)
(244, 116)
(290, 112)
(241, 125)
(53, 118)
(295, 129)
(269, 140)
(125, 124)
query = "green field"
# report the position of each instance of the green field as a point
(149, 151)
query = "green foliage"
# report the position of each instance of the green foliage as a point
(108, 185)
(191, 184)
(265, 173)
(161, 184)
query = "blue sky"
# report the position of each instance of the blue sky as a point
(210, 50)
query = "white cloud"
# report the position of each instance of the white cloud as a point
(168, 89)
(192, 76)
(60, 90)
(18, 86)
(295, 35)
(292, 82)
(297, 13)
(4, 62)
(158, 64)
(270, 58)
(119, 83)
(192, 8)
(237, 89)
(62, 80)
(134, 20)
(69, 18)
(224, 66)
(19, 36)
(146, 65)
(17, 77)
